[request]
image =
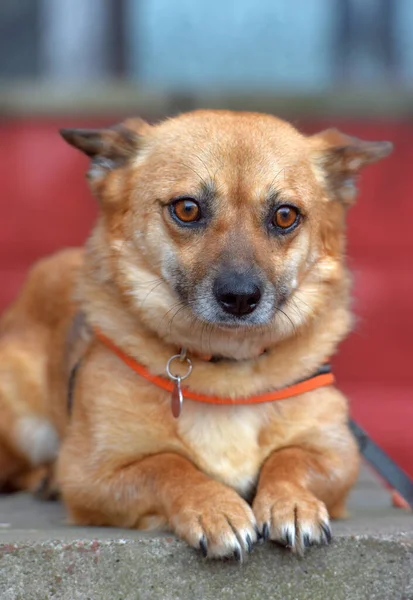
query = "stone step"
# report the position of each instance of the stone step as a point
(371, 558)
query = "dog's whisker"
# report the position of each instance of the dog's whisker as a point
(180, 309)
(150, 292)
(280, 310)
(173, 307)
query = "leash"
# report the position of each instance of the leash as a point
(382, 463)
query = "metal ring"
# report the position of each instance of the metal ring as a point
(182, 355)
(176, 377)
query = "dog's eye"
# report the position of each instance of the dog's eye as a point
(186, 210)
(285, 217)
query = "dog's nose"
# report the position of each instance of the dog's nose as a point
(237, 294)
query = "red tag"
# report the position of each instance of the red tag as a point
(177, 399)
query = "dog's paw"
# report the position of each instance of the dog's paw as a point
(47, 488)
(292, 517)
(216, 521)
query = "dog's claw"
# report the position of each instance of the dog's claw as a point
(289, 541)
(327, 532)
(265, 532)
(306, 541)
(237, 554)
(203, 546)
(249, 543)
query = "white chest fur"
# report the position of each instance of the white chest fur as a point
(223, 441)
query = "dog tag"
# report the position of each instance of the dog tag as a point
(177, 398)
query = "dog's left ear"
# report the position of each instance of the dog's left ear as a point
(339, 159)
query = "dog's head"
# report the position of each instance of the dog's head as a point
(225, 223)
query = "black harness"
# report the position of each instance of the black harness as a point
(71, 383)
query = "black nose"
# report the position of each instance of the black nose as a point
(237, 294)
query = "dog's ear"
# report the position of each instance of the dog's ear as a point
(340, 157)
(110, 147)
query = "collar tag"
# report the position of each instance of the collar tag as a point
(177, 397)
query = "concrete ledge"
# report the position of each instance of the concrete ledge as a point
(371, 558)
(354, 567)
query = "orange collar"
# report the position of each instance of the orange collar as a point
(323, 377)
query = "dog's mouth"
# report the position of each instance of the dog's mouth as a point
(229, 311)
(214, 315)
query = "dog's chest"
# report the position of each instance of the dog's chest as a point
(223, 441)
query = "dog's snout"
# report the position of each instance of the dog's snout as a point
(237, 294)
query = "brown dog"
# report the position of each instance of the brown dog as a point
(224, 234)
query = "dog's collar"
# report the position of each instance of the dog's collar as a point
(321, 378)
(218, 358)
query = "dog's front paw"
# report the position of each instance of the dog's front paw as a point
(292, 516)
(216, 520)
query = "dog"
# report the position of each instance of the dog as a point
(214, 278)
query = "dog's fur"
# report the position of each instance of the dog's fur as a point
(147, 282)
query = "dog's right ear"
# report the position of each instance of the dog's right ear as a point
(110, 147)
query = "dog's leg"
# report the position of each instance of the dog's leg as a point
(165, 489)
(298, 486)
(28, 439)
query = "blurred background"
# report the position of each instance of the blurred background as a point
(319, 63)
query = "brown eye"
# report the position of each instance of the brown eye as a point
(186, 210)
(285, 217)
